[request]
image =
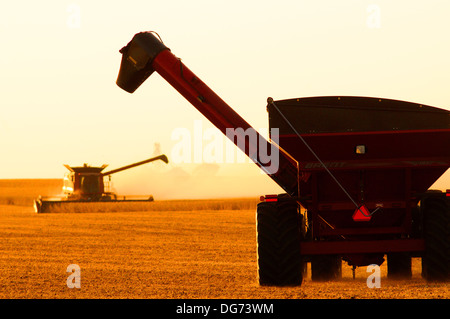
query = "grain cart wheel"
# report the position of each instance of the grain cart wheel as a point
(327, 267)
(436, 259)
(399, 265)
(278, 241)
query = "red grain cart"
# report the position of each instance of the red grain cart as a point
(356, 172)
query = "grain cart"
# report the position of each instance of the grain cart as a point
(356, 172)
(89, 184)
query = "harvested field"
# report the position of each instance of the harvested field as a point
(175, 249)
(159, 254)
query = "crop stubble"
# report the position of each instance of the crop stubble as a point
(205, 253)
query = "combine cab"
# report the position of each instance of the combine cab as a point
(89, 184)
(356, 172)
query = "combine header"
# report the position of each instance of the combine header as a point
(356, 172)
(88, 184)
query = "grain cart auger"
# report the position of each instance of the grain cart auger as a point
(87, 184)
(356, 171)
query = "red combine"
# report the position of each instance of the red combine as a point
(356, 172)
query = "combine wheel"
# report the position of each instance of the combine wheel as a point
(436, 259)
(278, 240)
(106, 198)
(37, 205)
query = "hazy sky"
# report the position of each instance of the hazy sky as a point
(60, 105)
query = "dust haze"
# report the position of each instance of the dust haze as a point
(194, 181)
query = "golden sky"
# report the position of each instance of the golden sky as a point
(60, 105)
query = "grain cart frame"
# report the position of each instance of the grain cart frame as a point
(356, 172)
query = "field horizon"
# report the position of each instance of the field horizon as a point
(23, 191)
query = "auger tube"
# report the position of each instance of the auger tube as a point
(146, 54)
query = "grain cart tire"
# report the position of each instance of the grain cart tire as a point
(326, 267)
(399, 265)
(278, 241)
(436, 258)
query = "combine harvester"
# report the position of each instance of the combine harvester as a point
(356, 172)
(86, 184)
